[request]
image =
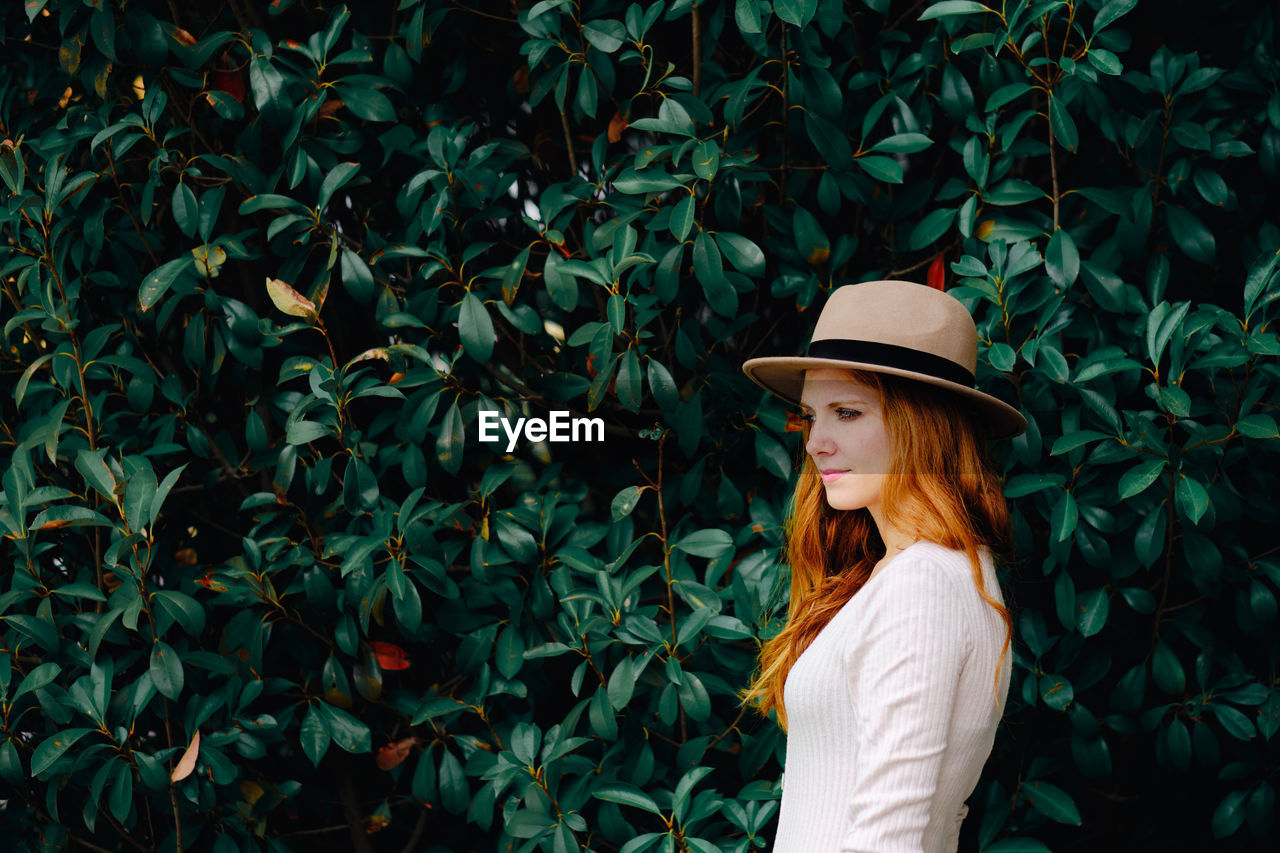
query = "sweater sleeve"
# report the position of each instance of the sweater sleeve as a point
(906, 673)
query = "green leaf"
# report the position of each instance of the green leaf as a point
(708, 543)
(96, 473)
(182, 608)
(158, 282)
(605, 35)
(1052, 802)
(186, 211)
(1072, 440)
(1237, 724)
(1211, 186)
(681, 221)
(903, 143)
(1056, 691)
(931, 228)
(949, 8)
(139, 494)
(1191, 235)
(39, 677)
(661, 385)
(1007, 94)
(1229, 815)
(832, 142)
(166, 670)
(1105, 61)
(335, 180)
(1262, 271)
(798, 13)
(1064, 127)
(881, 168)
(346, 731)
(1257, 426)
(1094, 606)
(624, 502)
(454, 792)
(622, 683)
(745, 255)
(266, 83)
(1065, 517)
(672, 118)
(449, 448)
(1166, 670)
(52, 748)
(475, 327)
(706, 159)
(299, 433)
(811, 240)
(121, 799)
(1109, 13)
(1136, 480)
(708, 268)
(1061, 259)
(746, 13)
(626, 795)
(368, 104)
(1193, 499)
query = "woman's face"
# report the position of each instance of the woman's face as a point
(847, 441)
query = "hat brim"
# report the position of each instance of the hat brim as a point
(784, 377)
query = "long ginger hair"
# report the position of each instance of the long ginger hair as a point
(941, 487)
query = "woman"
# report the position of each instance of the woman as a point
(891, 673)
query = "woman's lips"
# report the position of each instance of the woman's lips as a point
(830, 475)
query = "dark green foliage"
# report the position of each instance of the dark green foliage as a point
(263, 266)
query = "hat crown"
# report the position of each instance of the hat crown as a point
(903, 314)
(898, 328)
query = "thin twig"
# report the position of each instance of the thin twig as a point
(568, 141)
(320, 830)
(416, 835)
(696, 26)
(1053, 158)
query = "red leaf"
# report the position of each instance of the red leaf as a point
(937, 278)
(390, 656)
(394, 753)
(617, 125)
(228, 79)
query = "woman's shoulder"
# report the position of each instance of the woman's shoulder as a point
(927, 565)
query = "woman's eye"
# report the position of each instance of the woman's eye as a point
(847, 414)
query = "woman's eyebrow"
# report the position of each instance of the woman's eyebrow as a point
(856, 401)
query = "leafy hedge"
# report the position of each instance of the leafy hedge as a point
(264, 267)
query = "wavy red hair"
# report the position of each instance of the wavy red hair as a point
(941, 488)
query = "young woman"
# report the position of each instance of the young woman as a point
(892, 671)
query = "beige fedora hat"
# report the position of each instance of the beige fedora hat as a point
(895, 327)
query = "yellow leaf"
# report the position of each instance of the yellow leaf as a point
(209, 260)
(252, 791)
(290, 301)
(187, 763)
(376, 352)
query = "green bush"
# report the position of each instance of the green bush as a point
(263, 267)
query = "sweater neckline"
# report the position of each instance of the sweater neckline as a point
(896, 557)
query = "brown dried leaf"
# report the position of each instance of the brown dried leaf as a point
(187, 763)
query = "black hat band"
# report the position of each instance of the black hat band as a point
(892, 355)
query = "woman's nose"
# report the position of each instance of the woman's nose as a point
(818, 441)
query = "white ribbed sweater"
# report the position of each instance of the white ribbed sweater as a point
(892, 711)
